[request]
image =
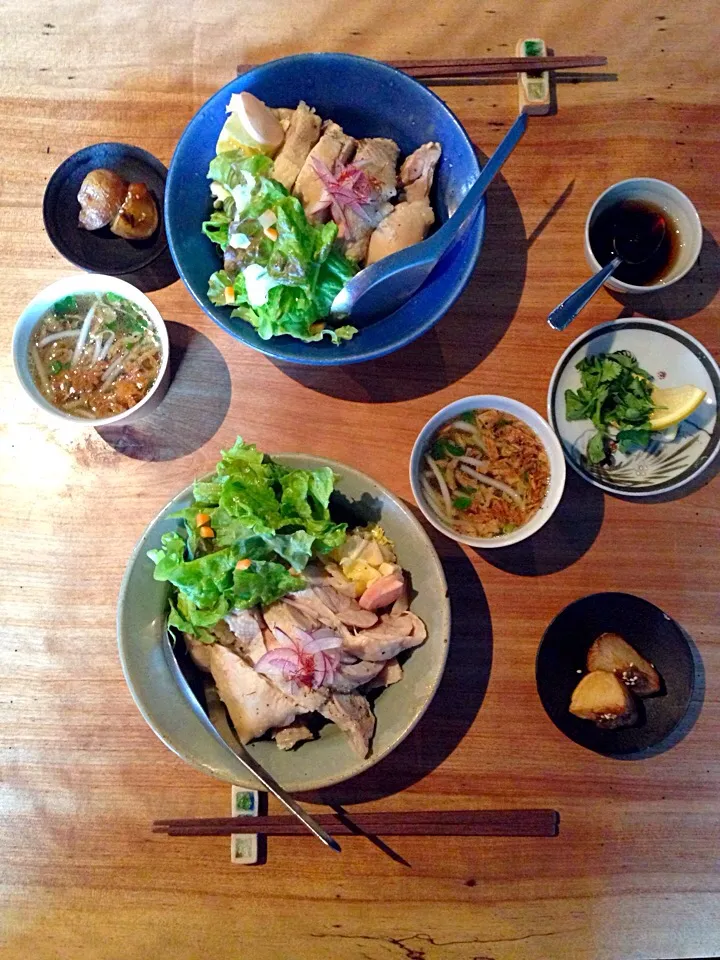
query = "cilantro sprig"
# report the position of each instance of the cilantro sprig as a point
(616, 393)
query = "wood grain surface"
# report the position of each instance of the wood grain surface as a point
(634, 872)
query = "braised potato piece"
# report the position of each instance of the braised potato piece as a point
(101, 195)
(137, 218)
(602, 698)
(610, 652)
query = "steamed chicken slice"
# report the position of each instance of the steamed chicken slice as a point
(391, 673)
(377, 157)
(246, 630)
(302, 135)
(334, 146)
(418, 170)
(254, 704)
(284, 116)
(199, 652)
(288, 737)
(411, 219)
(350, 676)
(389, 638)
(352, 713)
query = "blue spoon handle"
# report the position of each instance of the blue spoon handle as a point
(449, 231)
(565, 312)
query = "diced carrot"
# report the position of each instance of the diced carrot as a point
(271, 233)
(316, 327)
(229, 294)
(293, 572)
(243, 564)
(207, 532)
(201, 519)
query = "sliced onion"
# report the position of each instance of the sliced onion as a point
(441, 483)
(492, 482)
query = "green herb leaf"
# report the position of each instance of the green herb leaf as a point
(462, 503)
(468, 416)
(633, 437)
(65, 305)
(596, 448)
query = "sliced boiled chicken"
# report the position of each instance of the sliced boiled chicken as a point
(383, 592)
(407, 224)
(283, 617)
(301, 136)
(418, 170)
(284, 116)
(291, 736)
(254, 704)
(350, 676)
(386, 640)
(411, 219)
(378, 157)
(391, 673)
(199, 652)
(246, 628)
(334, 146)
(352, 713)
(331, 609)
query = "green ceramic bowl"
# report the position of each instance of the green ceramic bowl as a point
(329, 759)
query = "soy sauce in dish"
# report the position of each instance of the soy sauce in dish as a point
(635, 218)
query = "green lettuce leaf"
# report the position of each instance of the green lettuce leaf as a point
(259, 510)
(304, 263)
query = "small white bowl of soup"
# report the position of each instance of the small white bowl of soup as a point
(487, 471)
(92, 349)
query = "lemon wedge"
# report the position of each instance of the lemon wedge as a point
(674, 404)
(234, 136)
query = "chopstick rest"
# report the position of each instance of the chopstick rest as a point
(533, 89)
(244, 846)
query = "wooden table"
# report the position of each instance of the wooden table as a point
(634, 872)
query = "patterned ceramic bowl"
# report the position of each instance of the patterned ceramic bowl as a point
(674, 457)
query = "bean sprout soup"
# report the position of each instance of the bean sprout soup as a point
(486, 473)
(94, 355)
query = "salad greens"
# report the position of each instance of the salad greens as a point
(294, 272)
(266, 522)
(615, 393)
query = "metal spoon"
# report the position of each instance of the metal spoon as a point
(629, 248)
(239, 751)
(386, 285)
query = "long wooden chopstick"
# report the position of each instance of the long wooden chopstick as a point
(454, 823)
(480, 66)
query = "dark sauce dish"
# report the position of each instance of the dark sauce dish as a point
(101, 251)
(633, 209)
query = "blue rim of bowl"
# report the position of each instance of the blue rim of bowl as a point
(56, 239)
(674, 333)
(474, 229)
(367, 762)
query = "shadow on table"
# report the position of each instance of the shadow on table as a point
(158, 274)
(470, 330)
(193, 409)
(568, 534)
(686, 297)
(458, 699)
(693, 711)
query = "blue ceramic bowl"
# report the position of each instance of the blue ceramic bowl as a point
(369, 99)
